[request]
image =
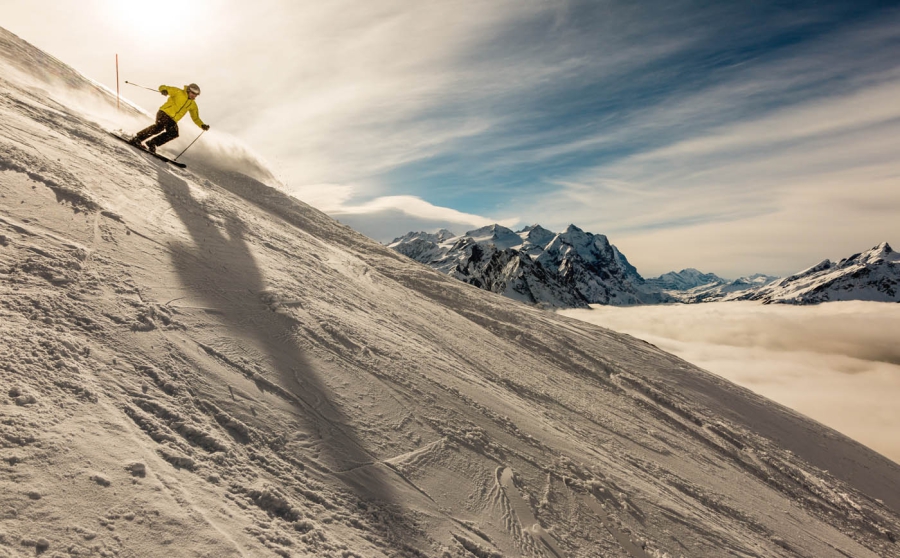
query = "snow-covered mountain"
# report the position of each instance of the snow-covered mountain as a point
(196, 364)
(722, 289)
(685, 280)
(573, 268)
(422, 246)
(872, 275)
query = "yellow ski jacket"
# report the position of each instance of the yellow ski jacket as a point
(179, 103)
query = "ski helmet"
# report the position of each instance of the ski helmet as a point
(193, 88)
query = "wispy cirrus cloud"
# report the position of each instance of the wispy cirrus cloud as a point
(748, 186)
(811, 181)
(662, 124)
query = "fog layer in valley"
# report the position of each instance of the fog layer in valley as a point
(838, 363)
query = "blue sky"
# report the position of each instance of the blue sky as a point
(734, 137)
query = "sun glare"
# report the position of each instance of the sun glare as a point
(162, 19)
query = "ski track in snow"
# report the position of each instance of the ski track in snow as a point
(194, 364)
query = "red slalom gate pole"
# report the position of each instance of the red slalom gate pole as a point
(117, 81)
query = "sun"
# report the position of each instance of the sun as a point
(159, 19)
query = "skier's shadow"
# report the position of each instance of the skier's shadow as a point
(219, 269)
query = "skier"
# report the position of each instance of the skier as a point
(180, 101)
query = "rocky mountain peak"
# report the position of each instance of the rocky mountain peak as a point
(572, 268)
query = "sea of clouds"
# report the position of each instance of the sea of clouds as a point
(838, 363)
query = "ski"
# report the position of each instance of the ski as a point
(147, 151)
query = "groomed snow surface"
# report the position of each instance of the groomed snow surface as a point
(194, 364)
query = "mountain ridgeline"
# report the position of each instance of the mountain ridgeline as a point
(575, 268)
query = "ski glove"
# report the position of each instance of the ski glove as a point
(164, 94)
(205, 127)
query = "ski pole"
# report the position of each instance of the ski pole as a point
(142, 86)
(188, 147)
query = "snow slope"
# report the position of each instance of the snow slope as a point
(195, 364)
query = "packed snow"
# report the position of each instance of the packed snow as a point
(195, 364)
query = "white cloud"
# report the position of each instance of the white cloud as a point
(739, 181)
(346, 85)
(769, 195)
(325, 197)
(343, 92)
(336, 91)
(389, 217)
(838, 363)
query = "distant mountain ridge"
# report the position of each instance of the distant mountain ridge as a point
(685, 279)
(575, 268)
(873, 275)
(721, 289)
